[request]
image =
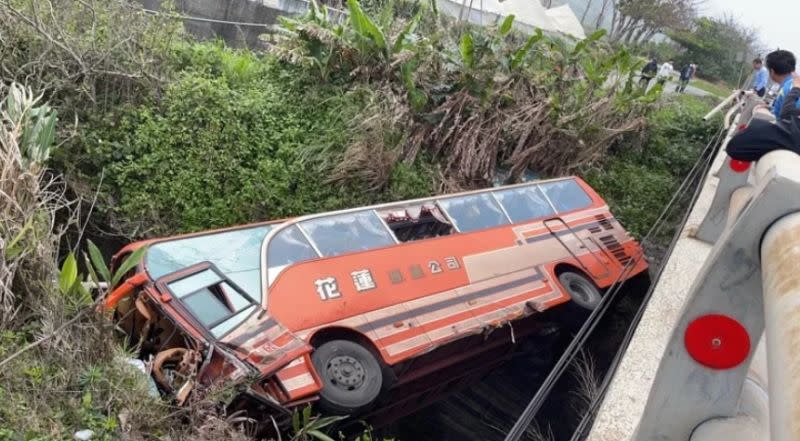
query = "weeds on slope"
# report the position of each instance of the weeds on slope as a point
(59, 370)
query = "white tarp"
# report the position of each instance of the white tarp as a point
(566, 22)
(528, 14)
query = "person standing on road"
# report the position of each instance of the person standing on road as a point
(780, 65)
(664, 73)
(760, 77)
(687, 72)
(762, 137)
(648, 72)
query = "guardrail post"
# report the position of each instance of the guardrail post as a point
(705, 363)
(732, 176)
(780, 253)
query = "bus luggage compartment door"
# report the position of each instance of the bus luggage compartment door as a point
(584, 251)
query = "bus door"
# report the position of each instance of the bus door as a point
(584, 251)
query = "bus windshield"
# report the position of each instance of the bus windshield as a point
(235, 253)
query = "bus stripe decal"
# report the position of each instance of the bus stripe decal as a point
(450, 302)
(497, 310)
(442, 334)
(445, 316)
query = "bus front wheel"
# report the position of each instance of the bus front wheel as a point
(581, 289)
(351, 376)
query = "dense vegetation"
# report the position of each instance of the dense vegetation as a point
(159, 134)
(338, 115)
(718, 46)
(233, 139)
(639, 181)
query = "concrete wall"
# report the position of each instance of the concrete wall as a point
(263, 12)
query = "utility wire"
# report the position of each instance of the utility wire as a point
(524, 421)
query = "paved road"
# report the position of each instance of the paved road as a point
(691, 90)
(669, 88)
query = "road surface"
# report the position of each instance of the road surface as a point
(691, 90)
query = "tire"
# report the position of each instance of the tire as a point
(582, 291)
(351, 377)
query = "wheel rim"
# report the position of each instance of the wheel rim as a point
(346, 372)
(578, 290)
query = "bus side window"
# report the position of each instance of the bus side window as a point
(346, 233)
(566, 195)
(287, 247)
(474, 212)
(524, 203)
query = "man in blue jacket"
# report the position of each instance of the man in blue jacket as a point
(781, 64)
(760, 77)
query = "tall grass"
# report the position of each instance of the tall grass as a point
(29, 202)
(587, 382)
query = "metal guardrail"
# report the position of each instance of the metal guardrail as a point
(733, 174)
(749, 285)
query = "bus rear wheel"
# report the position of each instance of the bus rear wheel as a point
(581, 289)
(351, 376)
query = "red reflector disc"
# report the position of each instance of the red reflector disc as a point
(739, 166)
(717, 341)
(742, 127)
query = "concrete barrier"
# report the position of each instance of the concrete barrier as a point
(211, 19)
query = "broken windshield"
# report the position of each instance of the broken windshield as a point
(234, 252)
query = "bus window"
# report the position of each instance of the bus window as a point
(474, 212)
(566, 195)
(214, 302)
(287, 247)
(524, 203)
(345, 233)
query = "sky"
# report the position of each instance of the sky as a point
(778, 21)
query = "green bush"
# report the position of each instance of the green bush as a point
(229, 143)
(638, 183)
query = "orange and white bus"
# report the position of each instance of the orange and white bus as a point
(323, 307)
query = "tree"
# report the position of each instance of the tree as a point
(718, 43)
(637, 21)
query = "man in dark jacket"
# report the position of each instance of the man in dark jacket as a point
(762, 137)
(648, 72)
(687, 72)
